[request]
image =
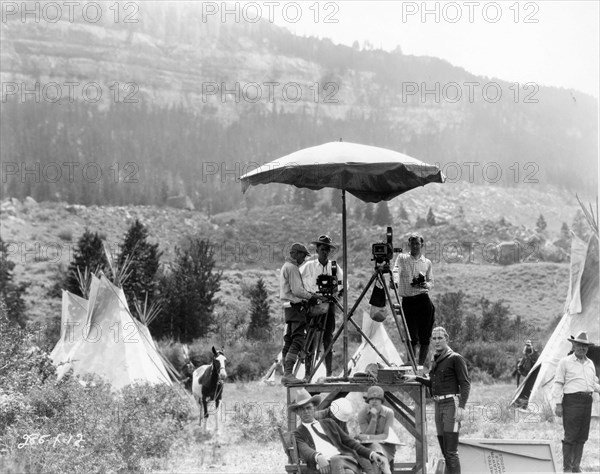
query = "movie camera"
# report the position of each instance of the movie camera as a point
(328, 284)
(383, 252)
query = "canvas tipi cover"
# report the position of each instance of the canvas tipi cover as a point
(582, 313)
(365, 354)
(73, 318)
(109, 342)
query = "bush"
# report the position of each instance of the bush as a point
(78, 425)
(495, 358)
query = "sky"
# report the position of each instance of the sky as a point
(553, 43)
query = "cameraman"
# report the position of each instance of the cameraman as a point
(294, 298)
(310, 270)
(413, 276)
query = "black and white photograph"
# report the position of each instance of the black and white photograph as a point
(303, 237)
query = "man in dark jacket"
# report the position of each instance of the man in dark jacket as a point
(323, 445)
(450, 386)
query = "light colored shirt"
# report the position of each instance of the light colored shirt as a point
(408, 267)
(574, 375)
(311, 269)
(321, 446)
(376, 425)
(291, 287)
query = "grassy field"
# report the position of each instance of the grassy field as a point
(246, 441)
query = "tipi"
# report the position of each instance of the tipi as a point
(100, 336)
(582, 313)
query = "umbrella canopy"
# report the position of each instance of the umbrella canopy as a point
(370, 173)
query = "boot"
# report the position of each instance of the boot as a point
(307, 370)
(451, 446)
(423, 353)
(329, 364)
(288, 368)
(442, 447)
(576, 459)
(567, 449)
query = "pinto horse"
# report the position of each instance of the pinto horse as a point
(207, 383)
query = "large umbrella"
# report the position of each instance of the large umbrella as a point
(370, 173)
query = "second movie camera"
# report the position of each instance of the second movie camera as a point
(383, 252)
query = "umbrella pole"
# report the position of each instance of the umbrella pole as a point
(345, 260)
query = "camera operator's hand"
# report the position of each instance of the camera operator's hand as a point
(424, 285)
(314, 299)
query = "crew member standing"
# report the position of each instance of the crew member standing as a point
(575, 382)
(293, 296)
(413, 276)
(310, 270)
(450, 386)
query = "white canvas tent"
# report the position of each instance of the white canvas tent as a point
(363, 356)
(582, 313)
(100, 336)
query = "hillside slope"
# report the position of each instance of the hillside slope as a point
(252, 243)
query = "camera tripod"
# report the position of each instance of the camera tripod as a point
(381, 269)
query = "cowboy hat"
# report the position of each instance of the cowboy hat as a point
(324, 240)
(302, 398)
(374, 392)
(342, 409)
(581, 338)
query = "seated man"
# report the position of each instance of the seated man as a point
(375, 421)
(323, 445)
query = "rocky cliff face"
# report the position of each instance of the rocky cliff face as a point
(170, 56)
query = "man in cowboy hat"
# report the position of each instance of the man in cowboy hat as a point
(294, 297)
(450, 387)
(323, 445)
(375, 421)
(413, 276)
(310, 270)
(574, 383)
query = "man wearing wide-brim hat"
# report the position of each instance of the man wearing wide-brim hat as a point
(575, 382)
(323, 445)
(310, 271)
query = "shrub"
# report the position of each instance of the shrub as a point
(78, 425)
(495, 358)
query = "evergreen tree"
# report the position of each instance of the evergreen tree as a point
(11, 293)
(382, 214)
(260, 326)
(564, 241)
(189, 293)
(144, 260)
(449, 312)
(89, 256)
(495, 324)
(431, 217)
(541, 224)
